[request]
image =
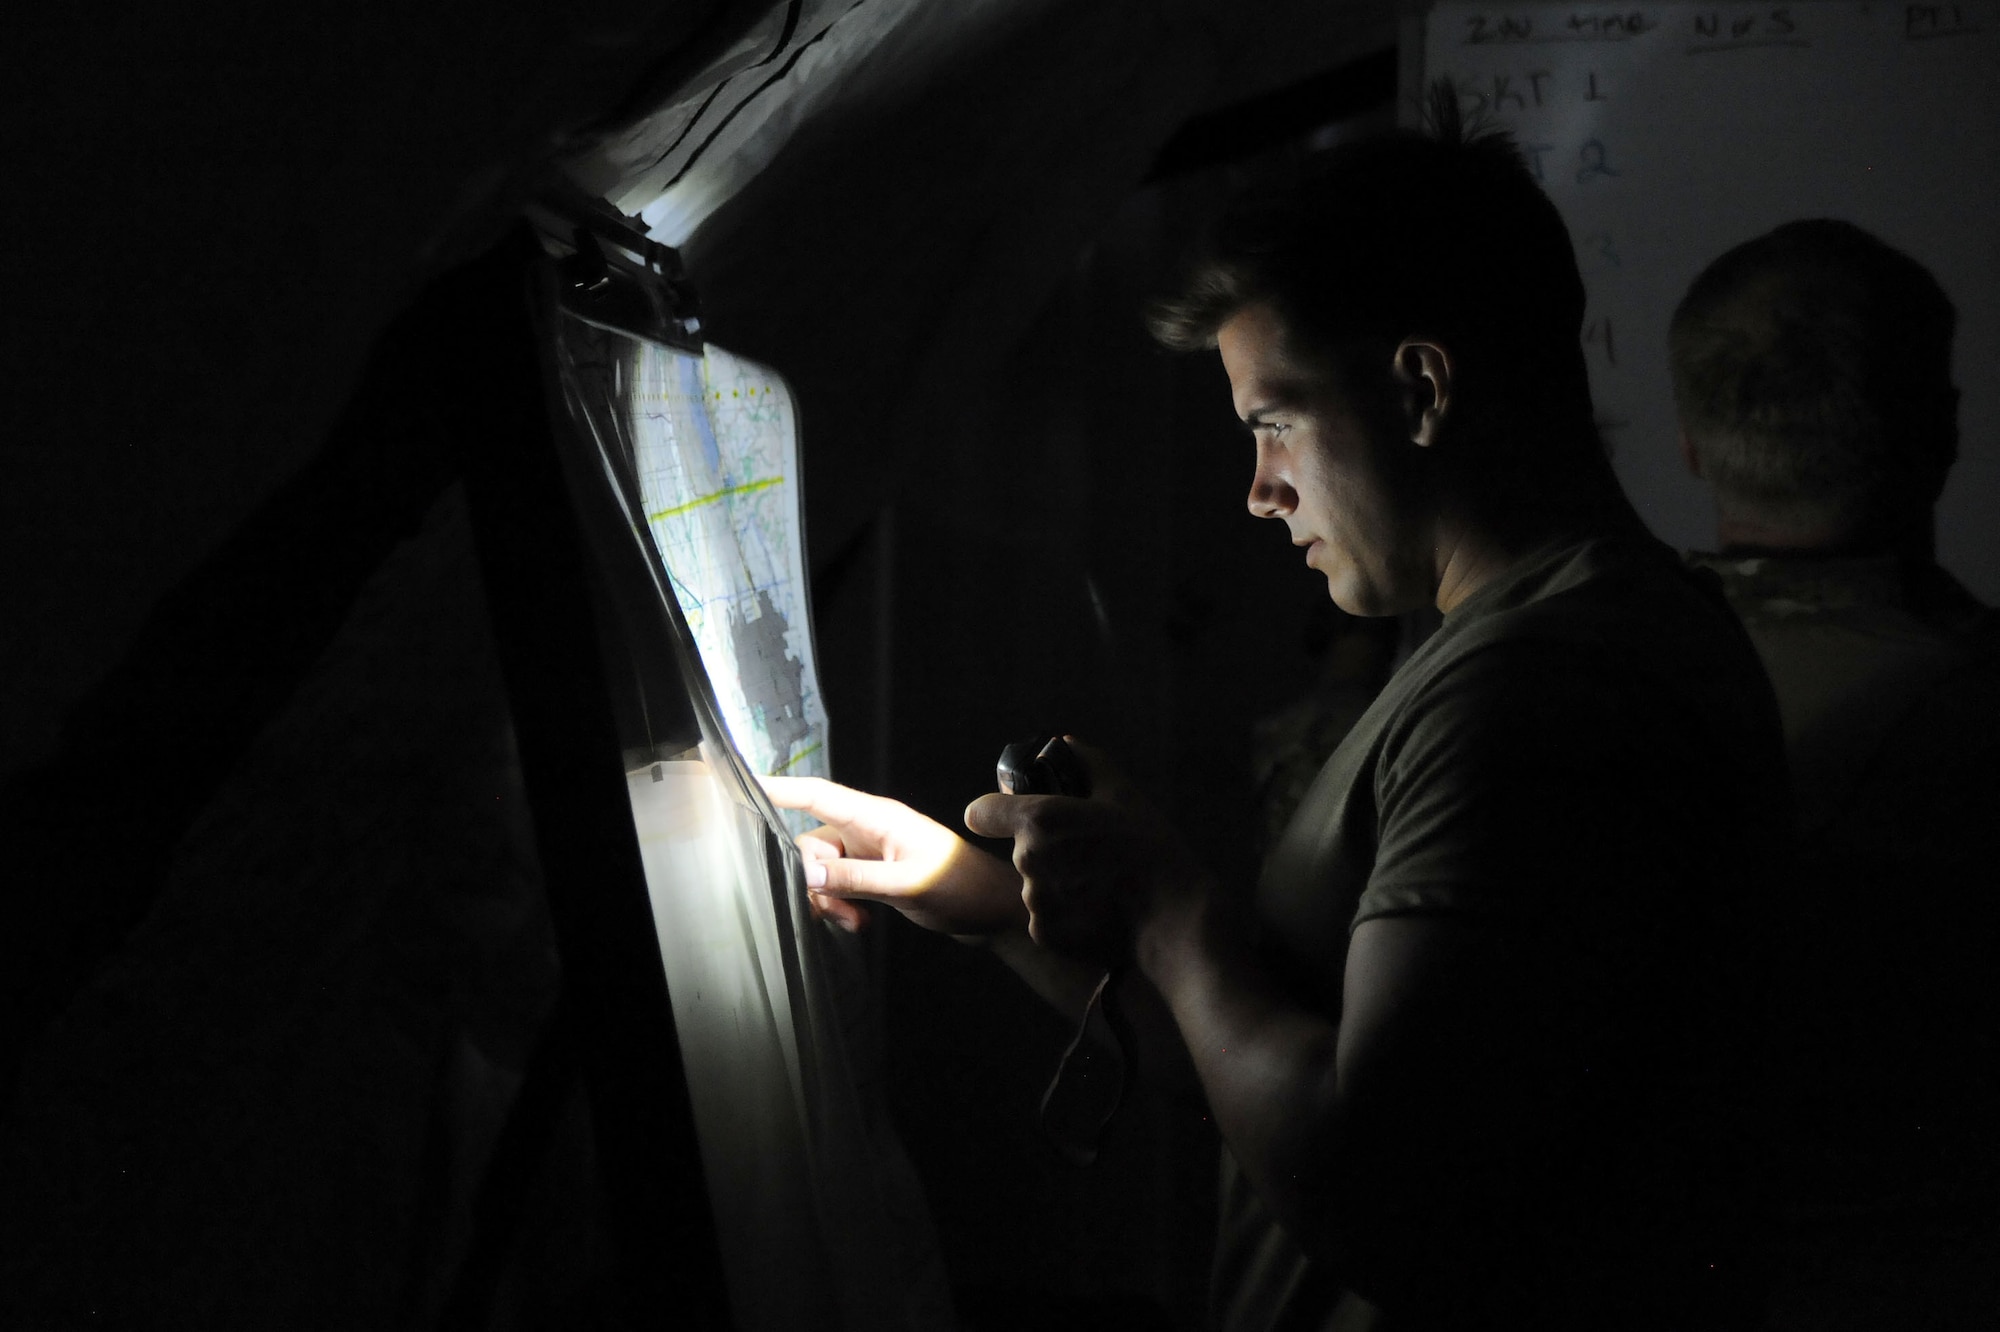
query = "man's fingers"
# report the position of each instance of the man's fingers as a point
(991, 815)
(847, 915)
(870, 880)
(820, 843)
(820, 848)
(997, 814)
(829, 802)
(1041, 818)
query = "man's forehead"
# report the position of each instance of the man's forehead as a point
(1263, 360)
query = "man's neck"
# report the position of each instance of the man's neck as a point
(1749, 534)
(1493, 528)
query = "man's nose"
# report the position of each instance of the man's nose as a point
(1271, 496)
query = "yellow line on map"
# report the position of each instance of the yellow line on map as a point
(805, 753)
(746, 488)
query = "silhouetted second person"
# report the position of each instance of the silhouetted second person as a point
(1812, 370)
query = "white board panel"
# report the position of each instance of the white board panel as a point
(1667, 133)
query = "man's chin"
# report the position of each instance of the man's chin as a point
(1350, 594)
(1357, 596)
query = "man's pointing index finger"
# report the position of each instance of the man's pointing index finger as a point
(829, 802)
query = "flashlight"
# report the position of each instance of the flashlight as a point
(1041, 767)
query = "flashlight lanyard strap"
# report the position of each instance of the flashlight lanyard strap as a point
(1089, 1081)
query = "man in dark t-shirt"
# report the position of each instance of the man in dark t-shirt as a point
(1575, 761)
(1812, 369)
(1476, 1045)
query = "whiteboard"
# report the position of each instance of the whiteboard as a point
(1667, 133)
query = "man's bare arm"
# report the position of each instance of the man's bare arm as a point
(1345, 1123)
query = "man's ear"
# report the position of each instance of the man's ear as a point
(1424, 373)
(1689, 458)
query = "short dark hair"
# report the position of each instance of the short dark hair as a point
(1441, 232)
(1812, 374)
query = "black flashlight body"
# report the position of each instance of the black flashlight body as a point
(1041, 766)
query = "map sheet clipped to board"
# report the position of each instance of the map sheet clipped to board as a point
(716, 449)
(1667, 133)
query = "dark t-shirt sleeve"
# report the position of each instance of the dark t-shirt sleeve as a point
(1508, 789)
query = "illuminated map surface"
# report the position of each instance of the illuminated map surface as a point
(717, 450)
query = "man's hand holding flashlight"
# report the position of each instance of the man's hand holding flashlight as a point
(1093, 871)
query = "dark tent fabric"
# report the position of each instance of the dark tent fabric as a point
(273, 1079)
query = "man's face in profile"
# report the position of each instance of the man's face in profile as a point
(1332, 466)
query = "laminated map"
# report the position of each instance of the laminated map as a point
(717, 458)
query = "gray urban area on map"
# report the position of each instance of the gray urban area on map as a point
(773, 679)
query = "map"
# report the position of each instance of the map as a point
(718, 462)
